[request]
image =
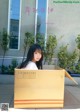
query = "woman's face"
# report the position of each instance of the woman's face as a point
(37, 55)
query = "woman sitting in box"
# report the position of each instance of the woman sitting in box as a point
(34, 58)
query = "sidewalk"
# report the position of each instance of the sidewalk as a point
(72, 93)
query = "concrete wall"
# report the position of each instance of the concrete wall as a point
(65, 22)
(3, 14)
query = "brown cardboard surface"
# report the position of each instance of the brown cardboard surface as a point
(39, 88)
(67, 75)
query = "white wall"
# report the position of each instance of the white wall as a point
(65, 19)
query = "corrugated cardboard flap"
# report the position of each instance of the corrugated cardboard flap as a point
(69, 76)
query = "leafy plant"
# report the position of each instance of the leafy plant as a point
(66, 59)
(40, 39)
(76, 68)
(28, 40)
(4, 44)
(78, 44)
(11, 67)
(3, 69)
(50, 47)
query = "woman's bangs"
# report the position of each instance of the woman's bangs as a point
(39, 51)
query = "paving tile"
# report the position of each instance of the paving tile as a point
(75, 90)
(6, 89)
(12, 102)
(70, 101)
(5, 98)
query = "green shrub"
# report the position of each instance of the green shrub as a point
(49, 48)
(66, 59)
(11, 67)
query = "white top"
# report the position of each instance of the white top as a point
(31, 66)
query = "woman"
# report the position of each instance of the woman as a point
(34, 58)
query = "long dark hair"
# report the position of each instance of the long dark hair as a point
(30, 56)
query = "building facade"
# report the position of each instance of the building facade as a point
(48, 17)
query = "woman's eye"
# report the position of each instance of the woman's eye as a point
(35, 53)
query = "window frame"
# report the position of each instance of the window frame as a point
(19, 24)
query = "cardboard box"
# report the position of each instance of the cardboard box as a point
(39, 88)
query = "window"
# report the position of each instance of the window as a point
(41, 16)
(14, 23)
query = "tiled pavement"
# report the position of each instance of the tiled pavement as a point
(72, 93)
